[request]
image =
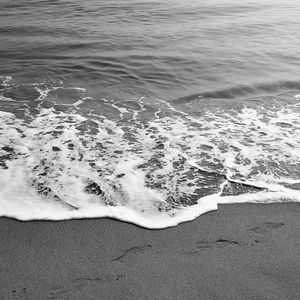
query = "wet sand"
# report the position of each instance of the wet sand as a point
(241, 251)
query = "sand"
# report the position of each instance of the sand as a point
(241, 251)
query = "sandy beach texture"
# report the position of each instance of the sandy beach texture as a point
(241, 251)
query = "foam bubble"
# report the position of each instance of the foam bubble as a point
(5, 80)
(144, 162)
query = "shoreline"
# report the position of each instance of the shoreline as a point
(240, 251)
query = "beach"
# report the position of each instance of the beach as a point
(240, 251)
(150, 150)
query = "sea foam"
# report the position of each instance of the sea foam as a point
(66, 155)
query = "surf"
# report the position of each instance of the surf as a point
(65, 154)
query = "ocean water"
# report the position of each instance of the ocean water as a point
(151, 112)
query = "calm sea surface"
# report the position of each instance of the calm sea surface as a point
(147, 111)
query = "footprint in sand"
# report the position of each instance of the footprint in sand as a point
(263, 231)
(132, 252)
(19, 292)
(218, 244)
(80, 284)
(266, 228)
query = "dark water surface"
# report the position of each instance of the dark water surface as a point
(164, 49)
(135, 109)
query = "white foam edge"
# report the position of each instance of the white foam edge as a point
(150, 221)
(121, 213)
(262, 197)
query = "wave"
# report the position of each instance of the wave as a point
(66, 155)
(244, 91)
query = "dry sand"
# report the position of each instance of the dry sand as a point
(242, 251)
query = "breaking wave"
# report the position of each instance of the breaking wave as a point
(66, 155)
